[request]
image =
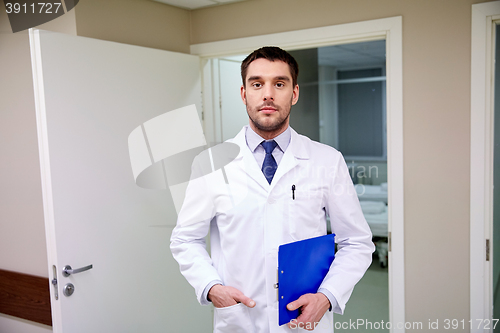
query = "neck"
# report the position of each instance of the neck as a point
(268, 135)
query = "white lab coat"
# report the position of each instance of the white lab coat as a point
(248, 219)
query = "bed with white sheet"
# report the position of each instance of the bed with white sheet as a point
(373, 201)
(372, 192)
(376, 215)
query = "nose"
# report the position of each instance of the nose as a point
(268, 93)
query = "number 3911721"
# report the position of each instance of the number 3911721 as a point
(34, 8)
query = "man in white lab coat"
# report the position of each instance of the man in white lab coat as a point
(280, 188)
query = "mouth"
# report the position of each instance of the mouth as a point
(268, 110)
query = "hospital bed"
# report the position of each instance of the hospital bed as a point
(372, 192)
(373, 201)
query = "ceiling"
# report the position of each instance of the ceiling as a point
(194, 4)
(353, 55)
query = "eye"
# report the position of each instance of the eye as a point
(256, 85)
(280, 84)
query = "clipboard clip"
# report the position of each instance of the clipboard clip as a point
(276, 285)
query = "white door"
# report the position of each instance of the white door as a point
(91, 95)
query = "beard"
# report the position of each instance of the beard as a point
(262, 123)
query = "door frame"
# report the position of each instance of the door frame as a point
(481, 158)
(389, 29)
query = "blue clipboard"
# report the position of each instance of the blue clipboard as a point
(302, 266)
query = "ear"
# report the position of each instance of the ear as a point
(295, 96)
(243, 93)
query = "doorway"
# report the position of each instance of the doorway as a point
(390, 30)
(342, 104)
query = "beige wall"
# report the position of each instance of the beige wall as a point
(137, 22)
(22, 230)
(436, 92)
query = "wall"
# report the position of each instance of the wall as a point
(436, 92)
(135, 22)
(22, 231)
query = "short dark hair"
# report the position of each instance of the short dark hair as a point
(271, 53)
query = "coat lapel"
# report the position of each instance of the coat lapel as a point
(295, 152)
(248, 162)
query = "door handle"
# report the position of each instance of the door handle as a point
(67, 270)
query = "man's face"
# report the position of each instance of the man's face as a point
(269, 95)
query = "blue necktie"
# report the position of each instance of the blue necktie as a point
(269, 166)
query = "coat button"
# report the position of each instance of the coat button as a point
(271, 201)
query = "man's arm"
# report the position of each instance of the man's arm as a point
(187, 242)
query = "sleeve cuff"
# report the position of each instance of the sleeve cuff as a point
(207, 289)
(333, 301)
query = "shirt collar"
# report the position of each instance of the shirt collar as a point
(254, 140)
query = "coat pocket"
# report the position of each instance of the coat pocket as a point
(306, 218)
(233, 319)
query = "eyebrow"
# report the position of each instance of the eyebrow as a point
(280, 78)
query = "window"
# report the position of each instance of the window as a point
(361, 113)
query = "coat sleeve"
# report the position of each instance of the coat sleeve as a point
(187, 242)
(353, 237)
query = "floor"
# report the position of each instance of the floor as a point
(369, 303)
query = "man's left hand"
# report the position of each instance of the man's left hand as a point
(313, 307)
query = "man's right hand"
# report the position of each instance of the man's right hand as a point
(223, 296)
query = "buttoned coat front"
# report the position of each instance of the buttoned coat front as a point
(248, 219)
